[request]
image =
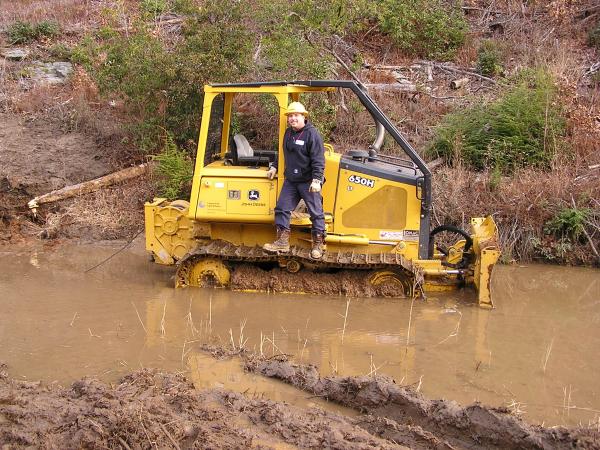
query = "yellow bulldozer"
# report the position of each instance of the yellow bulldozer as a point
(377, 206)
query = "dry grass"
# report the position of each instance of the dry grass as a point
(70, 14)
(112, 213)
(521, 205)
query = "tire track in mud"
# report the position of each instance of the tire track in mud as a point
(402, 415)
(149, 408)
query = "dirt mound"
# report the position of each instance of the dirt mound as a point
(149, 409)
(402, 415)
(37, 157)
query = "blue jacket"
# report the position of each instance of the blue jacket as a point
(304, 154)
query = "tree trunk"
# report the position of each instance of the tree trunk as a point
(90, 186)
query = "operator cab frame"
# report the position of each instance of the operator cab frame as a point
(253, 164)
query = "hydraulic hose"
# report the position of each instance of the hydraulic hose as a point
(450, 229)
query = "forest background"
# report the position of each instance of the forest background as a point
(502, 97)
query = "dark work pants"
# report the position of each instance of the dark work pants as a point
(290, 196)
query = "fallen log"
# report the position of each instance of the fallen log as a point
(89, 186)
(391, 87)
(470, 73)
(457, 84)
(432, 165)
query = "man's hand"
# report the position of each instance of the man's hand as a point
(315, 186)
(271, 172)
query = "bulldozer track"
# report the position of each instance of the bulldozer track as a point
(340, 260)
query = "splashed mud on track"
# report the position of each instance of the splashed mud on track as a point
(344, 283)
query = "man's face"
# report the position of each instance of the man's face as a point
(296, 120)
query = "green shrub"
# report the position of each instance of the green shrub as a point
(61, 51)
(282, 49)
(522, 128)
(154, 7)
(333, 17)
(568, 223)
(20, 32)
(175, 169)
(552, 250)
(137, 68)
(186, 7)
(594, 37)
(163, 83)
(423, 27)
(285, 51)
(46, 29)
(23, 32)
(488, 59)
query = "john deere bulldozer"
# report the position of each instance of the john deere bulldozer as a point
(377, 206)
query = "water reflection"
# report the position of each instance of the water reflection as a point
(537, 351)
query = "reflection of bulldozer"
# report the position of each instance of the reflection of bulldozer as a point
(377, 207)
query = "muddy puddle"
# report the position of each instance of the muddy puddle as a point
(536, 353)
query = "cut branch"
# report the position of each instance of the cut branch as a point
(344, 65)
(463, 71)
(89, 186)
(402, 87)
(427, 64)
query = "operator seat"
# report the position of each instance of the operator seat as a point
(244, 154)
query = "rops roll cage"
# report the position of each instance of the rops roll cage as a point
(381, 120)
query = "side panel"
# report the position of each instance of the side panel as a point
(381, 209)
(236, 199)
(332, 165)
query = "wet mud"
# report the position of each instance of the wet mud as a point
(402, 415)
(347, 283)
(148, 408)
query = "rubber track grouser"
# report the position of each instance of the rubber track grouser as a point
(377, 206)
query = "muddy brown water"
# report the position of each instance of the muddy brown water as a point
(536, 353)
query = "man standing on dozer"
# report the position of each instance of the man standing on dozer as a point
(304, 165)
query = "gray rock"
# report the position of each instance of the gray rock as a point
(14, 54)
(50, 73)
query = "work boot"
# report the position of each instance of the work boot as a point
(281, 244)
(318, 244)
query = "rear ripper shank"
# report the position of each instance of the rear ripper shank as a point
(377, 207)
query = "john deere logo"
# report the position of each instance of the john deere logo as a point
(253, 195)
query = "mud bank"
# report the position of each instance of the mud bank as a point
(148, 408)
(400, 414)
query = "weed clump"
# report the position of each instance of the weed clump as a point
(20, 32)
(488, 59)
(568, 223)
(523, 128)
(423, 27)
(594, 37)
(175, 169)
(563, 233)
